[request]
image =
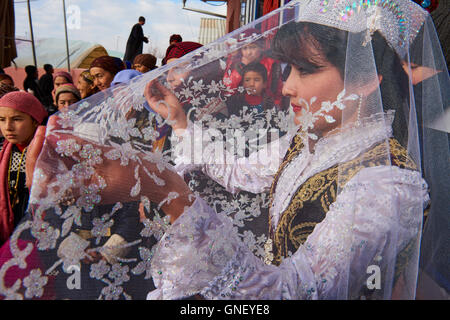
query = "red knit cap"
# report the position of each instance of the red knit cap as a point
(26, 103)
(180, 49)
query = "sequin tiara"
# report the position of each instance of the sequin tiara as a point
(399, 21)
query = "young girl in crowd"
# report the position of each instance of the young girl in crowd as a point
(86, 84)
(20, 115)
(66, 95)
(60, 78)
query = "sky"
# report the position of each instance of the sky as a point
(109, 22)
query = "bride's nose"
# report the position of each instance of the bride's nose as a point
(289, 86)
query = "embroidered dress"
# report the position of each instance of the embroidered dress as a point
(308, 217)
(18, 191)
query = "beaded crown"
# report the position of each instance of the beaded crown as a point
(399, 21)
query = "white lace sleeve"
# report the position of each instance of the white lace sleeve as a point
(201, 253)
(254, 173)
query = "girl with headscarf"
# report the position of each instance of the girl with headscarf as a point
(103, 69)
(86, 84)
(66, 95)
(20, 115)
(60, 78)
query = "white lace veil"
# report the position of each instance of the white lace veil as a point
(99, 181)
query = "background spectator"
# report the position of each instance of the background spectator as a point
(30, 84)
(144, 62)
(66, 95)
(46, 85)
(86, 84)
(103, 69)
(135, 41)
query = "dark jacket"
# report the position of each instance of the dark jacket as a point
(135, 43)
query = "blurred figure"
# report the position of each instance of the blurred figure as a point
(254, 52)
(6, 88)
(135, 41)
(60, 78)
(86, 84)
(124, 76)
(175, 38)
(46, 85)
(103, 69)
(176, 75)
(30, 84)
(6, 79)
(441, 20)
(144, 62)
(66, 95)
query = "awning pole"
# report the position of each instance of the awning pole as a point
(67, 40)
(32, 36)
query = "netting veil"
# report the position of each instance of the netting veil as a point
(302, 155)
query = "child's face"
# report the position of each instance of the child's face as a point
(250, 53)
(59, 81)
(141, 68)
(17, 127)
(84, 87)
(254, 83)
(65, 99)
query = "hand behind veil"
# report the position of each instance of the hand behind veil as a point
(161, 185)
(166, 104)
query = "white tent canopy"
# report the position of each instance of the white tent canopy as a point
(53, 51)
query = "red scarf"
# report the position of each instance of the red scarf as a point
(6, 213)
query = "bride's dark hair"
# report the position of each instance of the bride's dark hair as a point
(307, 46)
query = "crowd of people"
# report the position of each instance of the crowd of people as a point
(45, 96)
(353, 183)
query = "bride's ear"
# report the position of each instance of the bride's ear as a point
(370, 86)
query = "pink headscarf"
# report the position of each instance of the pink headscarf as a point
(63, 74)
(26, 103)
(29, 104)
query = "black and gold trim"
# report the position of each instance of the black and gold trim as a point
(312, 200)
